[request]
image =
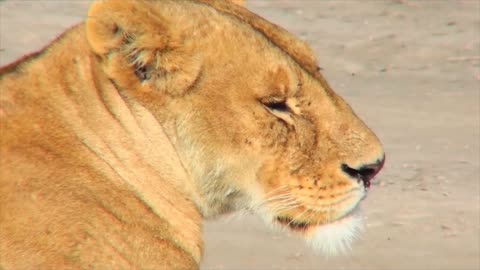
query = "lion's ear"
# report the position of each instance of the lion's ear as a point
(111, 24)
(138, 47)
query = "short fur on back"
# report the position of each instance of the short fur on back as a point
(118, 138)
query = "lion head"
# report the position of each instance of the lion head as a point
(253, 121)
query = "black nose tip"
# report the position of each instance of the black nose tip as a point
(366, 172)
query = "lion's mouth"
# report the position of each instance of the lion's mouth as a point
(293, 225)
(304, 227)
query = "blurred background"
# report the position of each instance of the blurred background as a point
(411, 70)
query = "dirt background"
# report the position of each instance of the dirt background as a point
(411, 70)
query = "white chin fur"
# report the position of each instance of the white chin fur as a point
(336, 237)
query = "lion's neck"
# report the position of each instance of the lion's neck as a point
(135, 145)
(125, 137)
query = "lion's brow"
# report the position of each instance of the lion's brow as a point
(294, 48)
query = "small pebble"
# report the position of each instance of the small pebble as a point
(445, 227)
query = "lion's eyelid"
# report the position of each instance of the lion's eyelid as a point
(285, 116)
(280, 106)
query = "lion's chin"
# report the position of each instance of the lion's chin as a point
(329, 239)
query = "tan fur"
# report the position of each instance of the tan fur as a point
(129, 128)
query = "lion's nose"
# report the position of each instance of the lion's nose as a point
(364, 173)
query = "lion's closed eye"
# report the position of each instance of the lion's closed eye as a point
(280, 109)
(278, 105)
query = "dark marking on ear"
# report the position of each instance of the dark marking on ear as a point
(116, 29)
(128, 39)
(142, 73)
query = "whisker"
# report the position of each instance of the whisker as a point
(295, 219)
(311, 216)
(283, 201)
(283, 207)
(279, 210)
(276, 190)
(274, 198)
(282, 196)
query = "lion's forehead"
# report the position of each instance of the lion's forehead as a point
(298, 50)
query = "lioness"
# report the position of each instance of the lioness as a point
(129, 129)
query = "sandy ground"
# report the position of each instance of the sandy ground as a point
(411, 70)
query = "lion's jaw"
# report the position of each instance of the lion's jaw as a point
(212, 176)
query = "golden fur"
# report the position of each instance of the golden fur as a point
(129, 128)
